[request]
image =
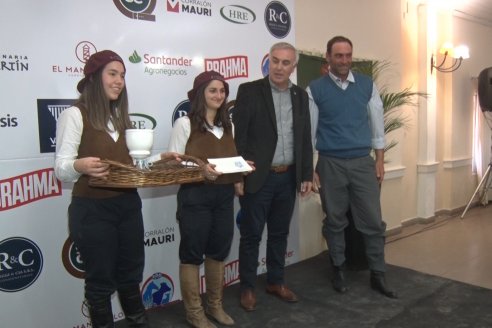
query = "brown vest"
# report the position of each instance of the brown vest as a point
(95, 143)
(206, 145)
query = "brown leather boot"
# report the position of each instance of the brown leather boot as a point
(189, 278)
(214, 278)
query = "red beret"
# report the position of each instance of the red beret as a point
(95, 62)
(206, 77)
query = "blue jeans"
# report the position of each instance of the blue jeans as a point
(273, 204)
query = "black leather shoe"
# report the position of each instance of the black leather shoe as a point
(338, 281)
(378, 283)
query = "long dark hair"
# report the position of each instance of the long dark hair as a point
(100, 109)
(198, 111)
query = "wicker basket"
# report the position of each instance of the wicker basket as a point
(162, 173)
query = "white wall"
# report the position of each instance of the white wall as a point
(389, 30)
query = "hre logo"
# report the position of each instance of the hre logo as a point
(277, 19)
(136, 9)
(237, 14)
(8, 122)
(142, 121)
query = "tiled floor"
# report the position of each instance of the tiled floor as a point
(454, 248)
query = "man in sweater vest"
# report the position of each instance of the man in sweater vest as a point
(347, 121)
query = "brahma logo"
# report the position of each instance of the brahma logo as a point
(237, 14)
(21, 262)
(231, 273)
(230, 67)
(27, 188)
(48, 112)
(157, 290)
(14, 63)
(277, 19)
(137, 9)
(71, 259)
(196, 7)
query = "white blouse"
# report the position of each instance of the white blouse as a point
(181, 133)
(69, 128)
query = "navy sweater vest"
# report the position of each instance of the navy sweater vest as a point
(343, 123)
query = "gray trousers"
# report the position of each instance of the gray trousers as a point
(351, 184)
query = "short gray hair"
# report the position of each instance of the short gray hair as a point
(284, 45)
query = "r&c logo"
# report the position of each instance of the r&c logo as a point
(21, 262)
(277, 19)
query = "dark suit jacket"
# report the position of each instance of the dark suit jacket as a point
(256, 131)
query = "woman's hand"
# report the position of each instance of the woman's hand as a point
(91, 166)
(171, 155)
(209, 172)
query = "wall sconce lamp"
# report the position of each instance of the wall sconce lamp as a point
(457, 53)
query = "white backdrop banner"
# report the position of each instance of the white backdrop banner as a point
(165, 44)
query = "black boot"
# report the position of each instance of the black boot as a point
(132, 306)
(338, 281)
(101, 313)
(378, 283)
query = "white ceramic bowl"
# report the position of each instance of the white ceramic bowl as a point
(139, 142)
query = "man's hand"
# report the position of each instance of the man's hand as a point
(379, 165)
(239, 188)
(306, 188)
(316, 184)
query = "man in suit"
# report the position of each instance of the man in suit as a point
(272, 129)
